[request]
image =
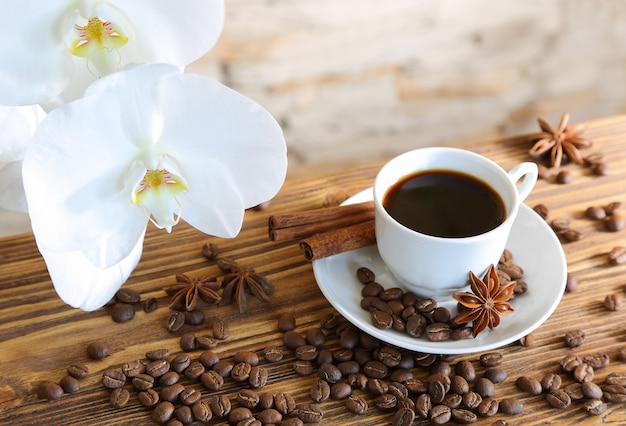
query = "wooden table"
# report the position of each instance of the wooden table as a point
(40, 336)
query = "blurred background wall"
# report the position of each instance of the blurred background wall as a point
(357, 81)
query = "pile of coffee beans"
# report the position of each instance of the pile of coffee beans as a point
(395, 309)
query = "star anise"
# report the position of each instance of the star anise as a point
(187, 291)
(240, 281)
(487, 303)
(561, 141)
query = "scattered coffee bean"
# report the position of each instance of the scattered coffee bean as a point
(595, 407)
(570, 362)
(303, 368)
(163, 412)
(612, 207)
(558, 398)
(171, 392)
(310, 413)
(584, 372)
(202, 411)
(212, 380)
(561, 224)
(175, 321)
(575, 391)
(238, 414)
(169, 378)
(188, 342)
(564, 176)
(542, 211)
(571, 235)
(70, 384)
(195, 317)
(495, 374)
(258, 377)
(148, 398)
(133, 368)
(614, 393)
(286, 322)
(551, 381)
(484, 387)
(150, 305)
(113, 379)
(49, 391)
(241, 372)
(511, 406)
(98, 350)
(273, 354)
(158, 367)
(320, 390)
(403, 417)
(180, 362)
(591, 390)
(119, 397)
(126, 295)
(574, 338)
(615, 222)
(617, 255)
(78, 371)
(292, 339)
(595, 212)
(616, 378)
(157, 354)
(613, 302)
(529, 384)
(488, 407)
(440, 414)
(143, 382)
(220, 405)
(122, 312)
(438, 332)
(246, 356)
(220, 328)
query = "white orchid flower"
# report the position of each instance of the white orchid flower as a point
(17, 126)
(51, 50)
(148, 143)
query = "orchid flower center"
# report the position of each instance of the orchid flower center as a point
(156, 194)
(98, 42)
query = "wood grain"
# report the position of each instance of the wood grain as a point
(40, 336)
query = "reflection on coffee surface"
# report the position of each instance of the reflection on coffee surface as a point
(445, 203)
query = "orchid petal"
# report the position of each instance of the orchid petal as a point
(83, 285)
(203, 130)
(12, 195)
(17, 126)
(74, 182)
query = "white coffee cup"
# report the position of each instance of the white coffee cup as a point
(433, 266)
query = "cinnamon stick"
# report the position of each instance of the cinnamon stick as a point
(326, 214)
(339, 240)
(308, 229)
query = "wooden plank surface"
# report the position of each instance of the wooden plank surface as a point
(40, 336)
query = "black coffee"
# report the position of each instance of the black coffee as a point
(444, 203)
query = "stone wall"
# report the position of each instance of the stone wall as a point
(357, 81)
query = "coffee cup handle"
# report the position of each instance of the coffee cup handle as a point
(529, 172)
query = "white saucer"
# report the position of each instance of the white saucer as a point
(535, 248)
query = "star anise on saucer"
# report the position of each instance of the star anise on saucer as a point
(240, 281)
(487, 303)
(561, 141)
(186, 292)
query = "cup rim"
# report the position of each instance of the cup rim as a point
(380, 209)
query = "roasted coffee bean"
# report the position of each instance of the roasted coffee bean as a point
(440, 414)
(600, 169)
(425, 305)
(293, 339)
(163, 412)
(342, 355)
(148, 398)
(570, 362)
(189, 396)
(564, 176)
(527, 341)
(329, 372)
(377, 386)
(266, 400)
(329, 321)
(292, 421)
(49, 391)
(438, 387)
(416, 325)
(466, 370)
(220, 329)
(438, 332)
(286, 322)
(258, 377)
(401, 375)
(458, 385)
(248, 398)
(612, 207)
(372, 290)
(126, 295)
(542, 210)
(484, 387)
(269, 416)
(169, 378)
(424, 359)
(617, 255)
(303, 368)
(386, 402)
(357, 381)
(584, 373)
(595, 212)
(119, 397)
(462, 416)
(133, 368)
(310, 413)
(365, 275)
(241, 372)
(614, 393)
(551, 381)
(158, 368)
(574, 338)
(356, 404)
(495, 374)
(188, 342)
(183, 414)
(441, 314)
(575, 391)
(273, 354)
(613, 302)
(571, 235)
(512, 270)
(597, 360)
(315, 337)
(143, 382)
(157, 354)
(491, 359)
(206, 342)
(78, 371)
(70, 384)
(543, 172)
(195, 317)
(171, 392)
(113, 379)
(389, 356)
(529, 384)
(284, 403)
(393, 293)
(98, 350)
(461, 333)
(349, 338)
(220, 405)
(558, 398)
(223, 367)
(212, 380)
(452, 400)
(306, 352)
(423, 405)
(615, 222)
(472, 400)
(571, 283)
(122, 312)
(398, 389)
(202, 411)
(561, 224)
(591, 390)
(340, 390)
(175, 321)
(150, 305)
(207, 358)
(375, 369)
(511, 406)
(488, 407)
(616, 378)
(403, 417)
(238, 414)
(180, 362)
(595, 407)
(246, 356)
